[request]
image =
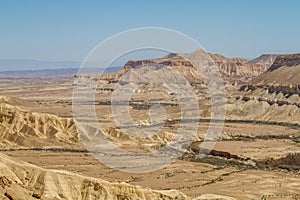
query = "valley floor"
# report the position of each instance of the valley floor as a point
(249, 175)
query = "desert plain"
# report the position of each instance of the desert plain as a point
(256, 156)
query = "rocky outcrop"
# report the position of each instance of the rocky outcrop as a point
(265, 60)
(273, 95)
(232, 69)
(292, 159)
(20, 128)
(285, 60)
(14, 101)
(20, 180)
(240, 68)
(283, 76)
(195, 147)
(284, 89)
(256, 109)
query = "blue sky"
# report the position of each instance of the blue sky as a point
(60, 30)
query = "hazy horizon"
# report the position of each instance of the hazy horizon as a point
(7, 65)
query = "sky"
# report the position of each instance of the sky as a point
(66, 30)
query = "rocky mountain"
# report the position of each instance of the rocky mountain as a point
(273, 95)
(236, 68)
(232, 69)
(265, 59)
(282, 76)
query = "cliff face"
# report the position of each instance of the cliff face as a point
(283, 76)
(265, 60)
(232, 69)
(236, 68)
(273, 95)
(286, 61)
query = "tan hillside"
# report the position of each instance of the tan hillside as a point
(14, 101)
(282, 76)
(273, 95)
(20, 128)
(20, 180)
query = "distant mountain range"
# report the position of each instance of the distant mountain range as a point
(63, 71)
(30, 64)
(50, 68)
(232, 67)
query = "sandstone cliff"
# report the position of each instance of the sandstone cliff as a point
(265, 59)
(232, 69)
(283, 76)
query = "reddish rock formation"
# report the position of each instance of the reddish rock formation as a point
(231, 69)
(283, 76)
